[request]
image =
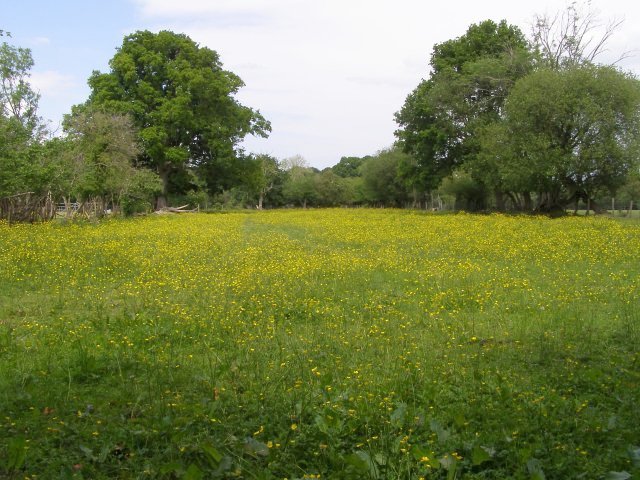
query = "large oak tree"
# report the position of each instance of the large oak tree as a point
(181, 100)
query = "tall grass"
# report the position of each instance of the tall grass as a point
(330, 344)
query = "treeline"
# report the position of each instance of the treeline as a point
(502, 122)
(373, 180)
(163, 127)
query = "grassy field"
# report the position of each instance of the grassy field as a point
(321, 344)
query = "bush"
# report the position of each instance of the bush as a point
(141, 192)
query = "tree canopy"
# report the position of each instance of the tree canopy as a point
(469, 83)
(577, 128)
(181, 101)
(524, 118)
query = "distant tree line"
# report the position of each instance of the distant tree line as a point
(502, 122)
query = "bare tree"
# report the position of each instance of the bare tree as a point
(573, 36)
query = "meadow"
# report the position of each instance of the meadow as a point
(341, 344)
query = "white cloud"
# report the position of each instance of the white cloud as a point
(171, 8)
(58, 92)
(52, 83)
(39, 41)
(218, 13)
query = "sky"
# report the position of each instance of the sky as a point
(329, 75)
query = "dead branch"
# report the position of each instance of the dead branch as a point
(181, 209)
(573, 36)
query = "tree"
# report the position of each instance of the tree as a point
(522, 122)
(470, 80)
(17, 100)
(21, 129)
(263, 174)
(101, 150)
(332, 190)
(575, 131)
(349, 167)
(180, 99)
(295, 161)
(299, 186)
(382, 184)
(468, 194)
(630, 191)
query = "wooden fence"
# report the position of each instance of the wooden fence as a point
(27, 207)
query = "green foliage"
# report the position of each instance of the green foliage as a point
(299, 187)
(523, 122)
(197, 198)
(142, 187)
(630, 191)
(263, 178)
(349, 167)
(102, 148)
(181, 100)
(483, 40)
(466, 91)
(469, 194)
(27, 167)
(20, 127)
(381, 181)
(235, 198)
(17, 100)
(576, 127)
(332, 190)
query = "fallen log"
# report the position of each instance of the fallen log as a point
(181, 209)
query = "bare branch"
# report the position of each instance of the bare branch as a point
(573, 36)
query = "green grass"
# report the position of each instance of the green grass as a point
(338, 343)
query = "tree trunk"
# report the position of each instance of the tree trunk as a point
(68, 212)
(500, 204)
(163, 171)
(260, 200)
(597, 209)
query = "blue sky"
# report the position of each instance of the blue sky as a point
(68, 40)
(328, 74)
